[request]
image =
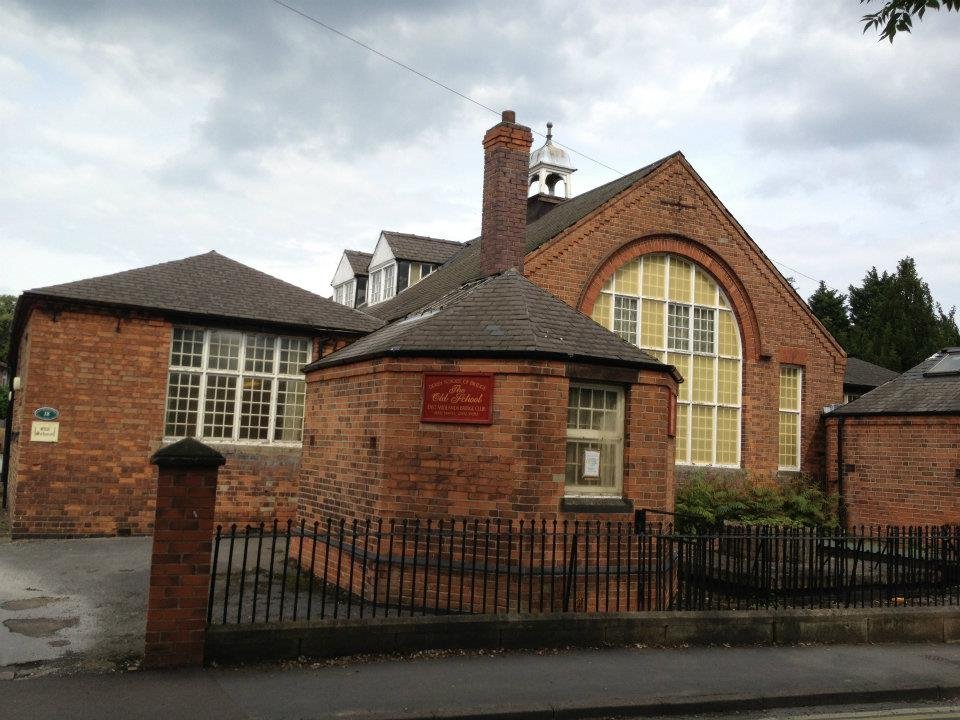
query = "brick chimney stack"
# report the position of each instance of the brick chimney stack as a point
(506, 162)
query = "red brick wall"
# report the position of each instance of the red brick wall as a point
(367, 454)
(904, 469)
(180, 567)
(110, 388)
(506, 157)
(774, 325)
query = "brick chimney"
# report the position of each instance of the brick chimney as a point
(506, 161)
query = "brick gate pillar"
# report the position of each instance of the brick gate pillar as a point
(180, 564)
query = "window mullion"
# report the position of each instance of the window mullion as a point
(201, 410)
(274, 391)
(237, 400)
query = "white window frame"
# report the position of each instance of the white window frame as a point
(617, 436)
(389, 281)
(720, 303)
(204, 372)
(798, 412)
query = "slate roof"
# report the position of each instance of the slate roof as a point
(359, 261)
(504, 315)
(421, 248)
(861, 373)
(212, 285)
(911, 393)
(464, 266)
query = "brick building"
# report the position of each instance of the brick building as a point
(894, 453)
(652, 257)
(676, 287)
(204, 347)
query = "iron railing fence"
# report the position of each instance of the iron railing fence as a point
(375, 568)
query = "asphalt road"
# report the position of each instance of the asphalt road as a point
(580, 683)
(72, 605)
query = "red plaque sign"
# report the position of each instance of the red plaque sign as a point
(457, 398)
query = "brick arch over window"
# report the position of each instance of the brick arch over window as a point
(696, 253)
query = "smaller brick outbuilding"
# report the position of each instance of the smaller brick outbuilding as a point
(893, 455)
(548, 415)
(112, 368)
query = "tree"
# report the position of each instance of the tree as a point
(6, 322)
(897, 15)
(894, 321)
(830, 307)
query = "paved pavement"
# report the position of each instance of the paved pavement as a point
(71, 605)
(580, 683)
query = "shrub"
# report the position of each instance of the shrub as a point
(709, 503)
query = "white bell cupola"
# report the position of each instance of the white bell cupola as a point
(549, 166)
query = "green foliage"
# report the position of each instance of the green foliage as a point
(4, 402)
(830, 306)
(6, 321)
(894, 320)
(708, 503)
(897, 15)
(891, 319)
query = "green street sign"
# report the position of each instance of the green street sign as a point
(46, 413)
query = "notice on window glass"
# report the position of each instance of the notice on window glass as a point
(591, 463)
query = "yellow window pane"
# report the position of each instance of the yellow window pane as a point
(654, 276)
(627, 278)
(683, 432)
(682, 364)
(701, 385)
(704, 289)
(789, 388)
(728, 382)
(729, 337)
(414, 273)
(722, 300)
(601, 311)
(651, 324)
(728, 436)
(789, 442)
(701, 434)
(679, 280)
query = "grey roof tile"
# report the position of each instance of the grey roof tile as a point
(359, 261)
(913, 392)
(865, 374)
(464, 265)
(420, 248)
(505, 315)
(212, 285)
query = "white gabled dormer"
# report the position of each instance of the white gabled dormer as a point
(383, 273)
(350, 280)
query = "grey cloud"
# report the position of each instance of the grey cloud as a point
(285, 79)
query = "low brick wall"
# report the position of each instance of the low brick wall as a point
(269, 642)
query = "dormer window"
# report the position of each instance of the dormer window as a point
(345, 293)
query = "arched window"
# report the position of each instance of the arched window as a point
(674, 310)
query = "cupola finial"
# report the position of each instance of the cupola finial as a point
(549, 165)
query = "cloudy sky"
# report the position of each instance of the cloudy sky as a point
(137, 131)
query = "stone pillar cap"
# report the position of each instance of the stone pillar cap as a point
(187, 453)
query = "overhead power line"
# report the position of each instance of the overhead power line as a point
(464, 96)
(430, 79)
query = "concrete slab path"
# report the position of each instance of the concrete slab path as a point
(571, 684)
(72, 605)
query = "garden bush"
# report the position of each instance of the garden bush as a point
(709, 503)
